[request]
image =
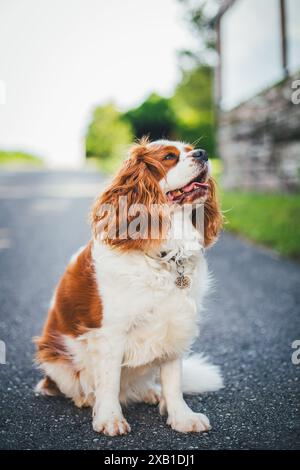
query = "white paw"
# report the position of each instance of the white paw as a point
(116, 425)
(189, 422)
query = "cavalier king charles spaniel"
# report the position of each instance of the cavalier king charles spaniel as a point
(125, 313)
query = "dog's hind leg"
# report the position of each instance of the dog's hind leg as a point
(61, 378)
(47, 386)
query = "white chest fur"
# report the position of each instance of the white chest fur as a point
(142, 302)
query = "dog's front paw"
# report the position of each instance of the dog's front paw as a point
(189, 422)
(115, 425)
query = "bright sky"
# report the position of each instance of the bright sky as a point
(59, 58)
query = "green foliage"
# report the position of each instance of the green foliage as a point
(194, 109)
(108, 136)
(11, 158)
(154, 117)
(268, 219)
(188, 115)
(216, 168)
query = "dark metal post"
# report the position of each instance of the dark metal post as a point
(284, 53)
(219, 65)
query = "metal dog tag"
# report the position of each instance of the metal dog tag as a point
(183, 282)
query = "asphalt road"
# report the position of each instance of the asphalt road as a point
(252, 318)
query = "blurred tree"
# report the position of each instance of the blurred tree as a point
(154, 117)
(198, 15)
(107, 136)
(193, 107)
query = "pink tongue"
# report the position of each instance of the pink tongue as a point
(192, 186)
(189, 187)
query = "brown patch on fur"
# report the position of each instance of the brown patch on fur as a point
(162, 151)
(77, 309)
(138, 182)
(188, 148)
(49, 387)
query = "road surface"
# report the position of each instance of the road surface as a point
(251, 321)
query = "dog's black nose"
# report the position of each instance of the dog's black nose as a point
(200, 154)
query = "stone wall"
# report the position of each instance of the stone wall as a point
(259, 141)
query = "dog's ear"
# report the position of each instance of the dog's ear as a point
(139, 218)
(213, 217)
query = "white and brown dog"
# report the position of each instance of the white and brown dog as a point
(124, 314)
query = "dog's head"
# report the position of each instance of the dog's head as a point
(156, 175)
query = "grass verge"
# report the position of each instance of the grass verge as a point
(272, 220)
(10, 158)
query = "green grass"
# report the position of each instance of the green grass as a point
(10, 158)
(272, 220)
(269, 219)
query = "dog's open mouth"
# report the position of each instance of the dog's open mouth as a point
(193, 190)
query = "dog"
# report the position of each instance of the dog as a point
(125, 313)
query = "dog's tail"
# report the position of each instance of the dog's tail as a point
(199, 376)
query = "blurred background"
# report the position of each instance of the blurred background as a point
(81, 79)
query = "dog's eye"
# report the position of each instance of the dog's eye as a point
(170, 156)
